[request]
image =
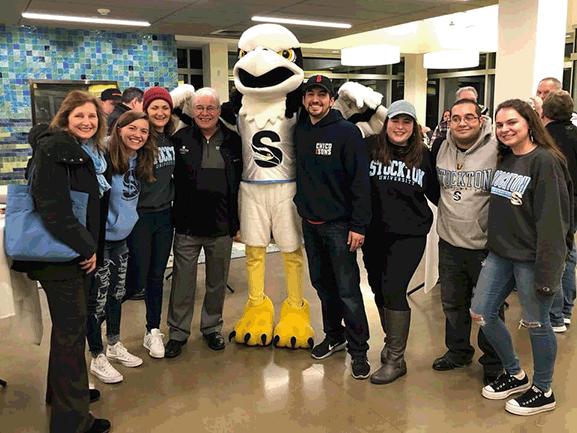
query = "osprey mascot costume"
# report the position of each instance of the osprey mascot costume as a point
(268, 77)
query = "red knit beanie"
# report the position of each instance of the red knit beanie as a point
(155, 93)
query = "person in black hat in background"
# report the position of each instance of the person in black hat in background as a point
(131, 100)
(333, 198)
(109, 98)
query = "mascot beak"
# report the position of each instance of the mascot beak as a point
(263, 71)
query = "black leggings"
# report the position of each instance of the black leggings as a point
(391, 260)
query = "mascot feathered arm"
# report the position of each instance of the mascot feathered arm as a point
(362, 106)
(183, 102)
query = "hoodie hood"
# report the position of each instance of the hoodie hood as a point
(36, 133)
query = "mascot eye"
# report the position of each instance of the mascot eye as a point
(241, 54)
(290, 55)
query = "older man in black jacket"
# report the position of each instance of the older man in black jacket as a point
(206, 177)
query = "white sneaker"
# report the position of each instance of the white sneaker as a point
(103, 370)
(559, 329)
(153, 342)
(567, 321)
(117, 352)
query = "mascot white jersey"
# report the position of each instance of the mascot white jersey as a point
(269, 74)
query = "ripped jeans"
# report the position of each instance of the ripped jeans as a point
(497, 279)
(105, 299)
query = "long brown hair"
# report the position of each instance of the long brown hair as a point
(411, 154)
(75, 99)
(537, 131)
(146, 154)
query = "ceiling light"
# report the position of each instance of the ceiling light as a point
(301, 22)
(453, 59)
(75, 19)
(370, 55)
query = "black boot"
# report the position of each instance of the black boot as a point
(397, 324)
(382, 315)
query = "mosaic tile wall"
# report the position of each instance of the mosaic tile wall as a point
(62, 54)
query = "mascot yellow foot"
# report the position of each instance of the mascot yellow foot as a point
(255, 326)
(293, 329)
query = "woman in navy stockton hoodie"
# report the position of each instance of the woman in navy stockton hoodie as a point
(402, 178)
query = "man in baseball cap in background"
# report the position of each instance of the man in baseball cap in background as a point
(109, 98)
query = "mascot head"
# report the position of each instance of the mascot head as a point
(270, 62)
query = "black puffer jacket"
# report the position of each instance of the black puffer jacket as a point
(57, 155)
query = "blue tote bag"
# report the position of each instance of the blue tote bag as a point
(26, 237)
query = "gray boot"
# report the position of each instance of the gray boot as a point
(397, 328)
(382, 315)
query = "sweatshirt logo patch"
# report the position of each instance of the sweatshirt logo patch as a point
(397, 171)
(324, 149)
(510, 185)
(131, 186)
(457, 195)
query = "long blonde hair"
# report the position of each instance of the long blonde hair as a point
(73, 100)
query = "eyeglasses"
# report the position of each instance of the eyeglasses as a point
(469, 118)
(211, 109)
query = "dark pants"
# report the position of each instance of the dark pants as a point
(335, 276)
(149, 249)
(391, 260)
(67, 374)
(459, 270)
(105, 299)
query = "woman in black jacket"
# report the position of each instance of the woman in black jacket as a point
(68, 156)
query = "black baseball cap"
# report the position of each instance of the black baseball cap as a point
(111, 94)
(320, 81)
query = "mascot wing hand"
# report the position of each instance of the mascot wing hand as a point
(362, 106)
(182, 101)
(356, 98)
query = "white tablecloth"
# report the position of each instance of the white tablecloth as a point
(432, 254)
(19, 297)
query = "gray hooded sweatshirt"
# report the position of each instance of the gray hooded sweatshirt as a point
(465, 180)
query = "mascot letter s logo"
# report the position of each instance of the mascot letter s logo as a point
(266, 156)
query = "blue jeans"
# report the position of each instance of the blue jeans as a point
(498, 278)
(335, 276)
(105, 299)
(565, 298)
(149, 245)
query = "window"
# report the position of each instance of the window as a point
(190, 66)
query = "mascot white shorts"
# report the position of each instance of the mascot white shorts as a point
(269, 208)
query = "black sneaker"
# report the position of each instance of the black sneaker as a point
(361, 369)
(504, 386)
(327, 347)
(532, 402)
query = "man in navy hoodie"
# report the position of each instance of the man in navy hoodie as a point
(333, 198)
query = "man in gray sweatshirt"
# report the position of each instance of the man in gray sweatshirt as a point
(465, 164)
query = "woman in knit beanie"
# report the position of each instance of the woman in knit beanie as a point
(150, 242)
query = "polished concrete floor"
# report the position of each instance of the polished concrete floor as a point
(246, 389)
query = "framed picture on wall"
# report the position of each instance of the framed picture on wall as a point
(47, 95)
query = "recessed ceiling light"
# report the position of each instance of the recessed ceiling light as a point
(301, 22)
(370, 55)
(75, 19)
